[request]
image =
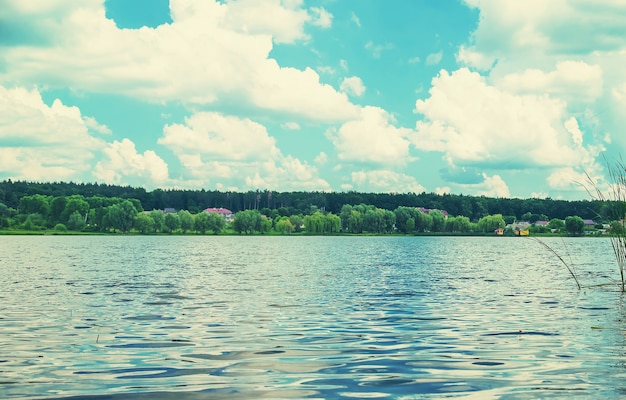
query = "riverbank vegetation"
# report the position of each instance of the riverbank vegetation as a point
(63, 208)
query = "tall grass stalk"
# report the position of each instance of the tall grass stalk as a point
(616, 198)
(568, 266)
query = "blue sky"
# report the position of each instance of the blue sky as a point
(479, 97)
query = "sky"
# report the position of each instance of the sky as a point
(501, 98)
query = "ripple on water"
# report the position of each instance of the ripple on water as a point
(296, 317)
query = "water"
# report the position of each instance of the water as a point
(307, 317)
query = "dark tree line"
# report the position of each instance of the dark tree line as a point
(306, 203)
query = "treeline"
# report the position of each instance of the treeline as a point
(75, 212)
(293, 203)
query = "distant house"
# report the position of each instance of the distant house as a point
(589, 222)
(542, 223)
(169, 210)
(429, 210)
(223, 212)
(520, 225)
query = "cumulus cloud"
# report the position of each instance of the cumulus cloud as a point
(539, 27)
(477, 124)
(384, 181)
(41, 142)
(123, 164)
(228, 151)
(284, 21)
(321, 158)
(211, 52)
(534, 49)
(491, 186)
(320, 17)
(94, 126)
(220, 137)
(352, 86)
(571, 80)
(372, 139)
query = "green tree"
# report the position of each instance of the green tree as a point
(159, 220)
(403, 214)
(121, 216)
(389, 221)
(216, 223)
(35, 204)
(60, 228)
(297, 221)
(314, 223)
(557, 224)
(201, 222)
(423, 222)
(186, 220)
(462, 224)
(57, 205)
(574, 225)
(490, 223)
(344, 215)
(617, 228)
(34, 222)
(265, 224)
(332, 223)
(409, 226)
(76, 221)
(247, 221)
(172, 222)
(283, 225)
(438, 220)
(355, 221)
(144, 223)
(74, 204)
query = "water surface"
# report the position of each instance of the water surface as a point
(307, 317)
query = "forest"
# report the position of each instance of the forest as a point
(102, 207)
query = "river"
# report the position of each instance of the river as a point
(193, 317)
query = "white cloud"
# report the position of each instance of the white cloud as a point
(227, 151)
(377, 49)
(385, 181)
(572, 80)
(283, 21)
(470, 57)
(93, 125)
(442, 190)
(372, 139)
(211, 52)
(355, 19)
(434, 58)
(321, 158)
(414, 60)
(474, 123)
(219, 137)
(301, 93)
(326, 70)
(491, 186)
(123, 165)
(41, 142)
(352, 86)
(320, 17)
(535, 28)
(291, 126)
